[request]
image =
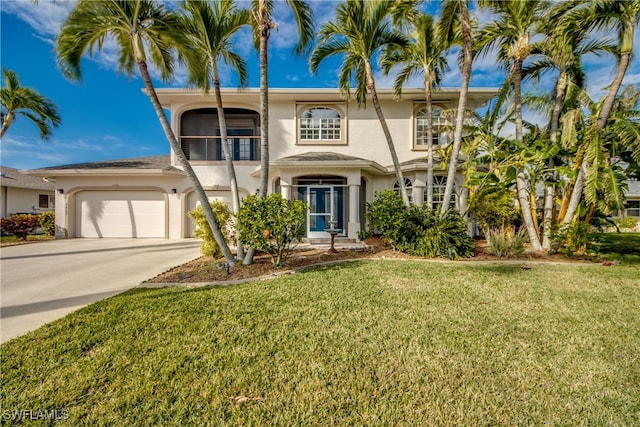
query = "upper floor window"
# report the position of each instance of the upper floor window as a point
(439, 133)
(320, 125)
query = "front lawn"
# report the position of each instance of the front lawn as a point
(362, 343)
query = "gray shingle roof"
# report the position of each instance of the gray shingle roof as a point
(10, 177)
(317, 157)
(152, 162)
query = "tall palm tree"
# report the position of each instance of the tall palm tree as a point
(262, 24)
(455, 25)
(623, 17)
(562, 51)
(360, 31)
(425, 55)
(142, 28)
(512, 32)
(17, 100)
(210, 28)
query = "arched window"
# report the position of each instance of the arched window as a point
(439, 185)
(439, 135)
(408, 185)
(320, 124)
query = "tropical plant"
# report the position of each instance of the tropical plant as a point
(385, 215)
(360, 31)
(506, 242)
(272, 224)
(423, 55)
(143, 29)
(17, 100)
(210, 27)
(623, 18)
(492, 207)
(209, 246)
(455, 26)
(262, 24)
(512, 31)
(48, 223)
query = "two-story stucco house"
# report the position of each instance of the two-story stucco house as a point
(323, 150)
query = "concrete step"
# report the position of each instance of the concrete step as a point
(327, 241)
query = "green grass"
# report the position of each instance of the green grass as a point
(624, 247)
(363, 343)
(11, 239)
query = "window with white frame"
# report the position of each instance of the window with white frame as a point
(320, 124)
(46, 201)
(439, 121)
(408, 185)
(632, 208)
(439, 186)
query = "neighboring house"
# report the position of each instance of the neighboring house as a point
(323, 150)
(22, 193)
(632, 204)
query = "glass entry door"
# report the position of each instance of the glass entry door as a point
(325, 204)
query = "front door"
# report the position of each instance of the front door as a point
(325, 204)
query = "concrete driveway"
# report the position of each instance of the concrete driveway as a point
(42, 282)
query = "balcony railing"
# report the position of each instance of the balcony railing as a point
(210, 147)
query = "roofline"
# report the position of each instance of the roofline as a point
(104, 171)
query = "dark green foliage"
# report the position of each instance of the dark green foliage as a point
(419, 230)
(203, 230)
(48, 223)
(20, 225)
(271, 224)
(493, 208)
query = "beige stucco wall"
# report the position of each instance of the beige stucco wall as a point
(21, 200)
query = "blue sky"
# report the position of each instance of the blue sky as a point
(106, 116)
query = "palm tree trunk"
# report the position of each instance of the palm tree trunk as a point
(184, 162)
(231, 171)
(521, 181)
(8, 119)
(427, 87)
(550, 189)
(371, 88)
(465, 24)
(605, 112)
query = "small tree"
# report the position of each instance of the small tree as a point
(271, 224)
(494, 209)
(20, 225)
(48, 223)
(203, 231)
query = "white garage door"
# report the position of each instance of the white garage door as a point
(120, 214)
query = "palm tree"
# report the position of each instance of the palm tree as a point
(138, 26)
(17, 100)
(512, 34)
(563, 51)
(623, 17)
(210, 28)
(424, 54)
(262, 24)
(360, 31)
(456, 20)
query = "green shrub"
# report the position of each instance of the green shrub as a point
(419, 230)
(386, 215)
(203, 230)
(629, 222)
(507, 243)
(20, 225)
(574, 237)
(493, 209)
(48, 223)
(271, 224)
